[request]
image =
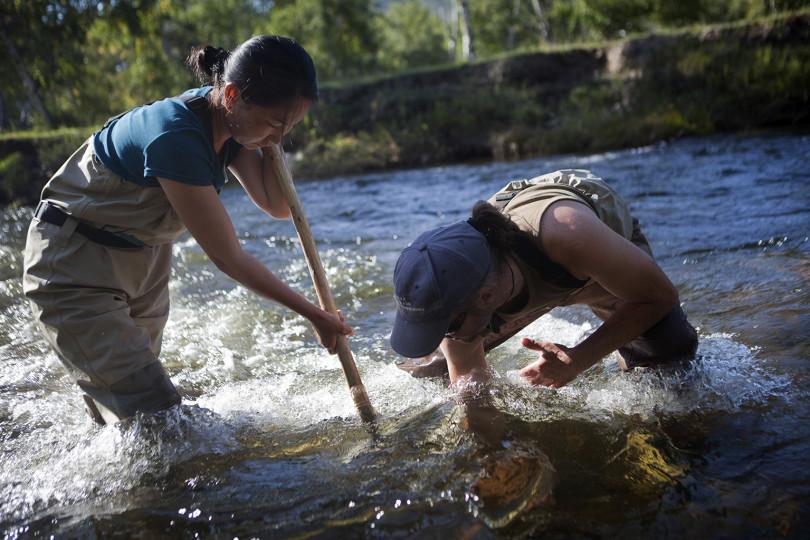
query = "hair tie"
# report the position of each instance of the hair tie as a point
(216, 57)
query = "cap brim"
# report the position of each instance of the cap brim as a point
(417, 339)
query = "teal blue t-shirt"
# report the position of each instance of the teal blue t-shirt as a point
(163, 139)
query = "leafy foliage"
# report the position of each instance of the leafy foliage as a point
(410, 36)
(338, 34)
(75, 62)
(559, 100)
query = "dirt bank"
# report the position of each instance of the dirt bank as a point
(624, 94)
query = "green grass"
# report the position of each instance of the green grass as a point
(48, 134)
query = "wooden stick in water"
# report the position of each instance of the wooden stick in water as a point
(356, 387)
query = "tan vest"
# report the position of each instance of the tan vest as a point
(525, 201)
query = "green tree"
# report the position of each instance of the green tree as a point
(77, 61)
(410, 36)
(141, 57)
(620, 17)
(42, 60)
(74, 62)
(135, 59)
(222, 23)
(338, 34)
(685, 12)
(506, 25)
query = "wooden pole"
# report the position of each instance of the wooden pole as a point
(356, 387)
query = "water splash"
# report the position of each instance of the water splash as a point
(726, 376)
(99, 465)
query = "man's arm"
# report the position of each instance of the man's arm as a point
(575, 238)
(465, 359)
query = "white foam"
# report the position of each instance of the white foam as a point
(726, 376)
(72, 461)
(308, 396)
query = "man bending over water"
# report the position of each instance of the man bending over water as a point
(560, 239)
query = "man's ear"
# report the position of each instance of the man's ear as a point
(486, 297)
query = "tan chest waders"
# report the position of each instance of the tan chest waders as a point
(97, 268)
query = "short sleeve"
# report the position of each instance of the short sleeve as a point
(182, 155)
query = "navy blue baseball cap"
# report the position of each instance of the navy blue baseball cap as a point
(433, 275)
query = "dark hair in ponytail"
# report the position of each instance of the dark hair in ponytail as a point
(268, 70)
(498, 228)
(207, 62)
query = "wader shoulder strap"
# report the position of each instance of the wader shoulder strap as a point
(199, 105)
(503, 198)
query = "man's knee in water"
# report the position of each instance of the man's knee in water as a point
(671, 340)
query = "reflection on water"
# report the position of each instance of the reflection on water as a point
(268, 443)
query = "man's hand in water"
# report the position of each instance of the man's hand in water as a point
(554, 368)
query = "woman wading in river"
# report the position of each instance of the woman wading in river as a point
(98, 253)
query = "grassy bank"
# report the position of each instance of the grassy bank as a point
(625, 94)
(29, 159)
(580, 99)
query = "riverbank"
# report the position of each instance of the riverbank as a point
(635, 92)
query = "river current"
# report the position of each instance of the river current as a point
(268, 443)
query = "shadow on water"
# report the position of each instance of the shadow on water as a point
(268, 443)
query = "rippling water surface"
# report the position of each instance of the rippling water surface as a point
(268, 443)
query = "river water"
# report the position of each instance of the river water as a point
(268, 443)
